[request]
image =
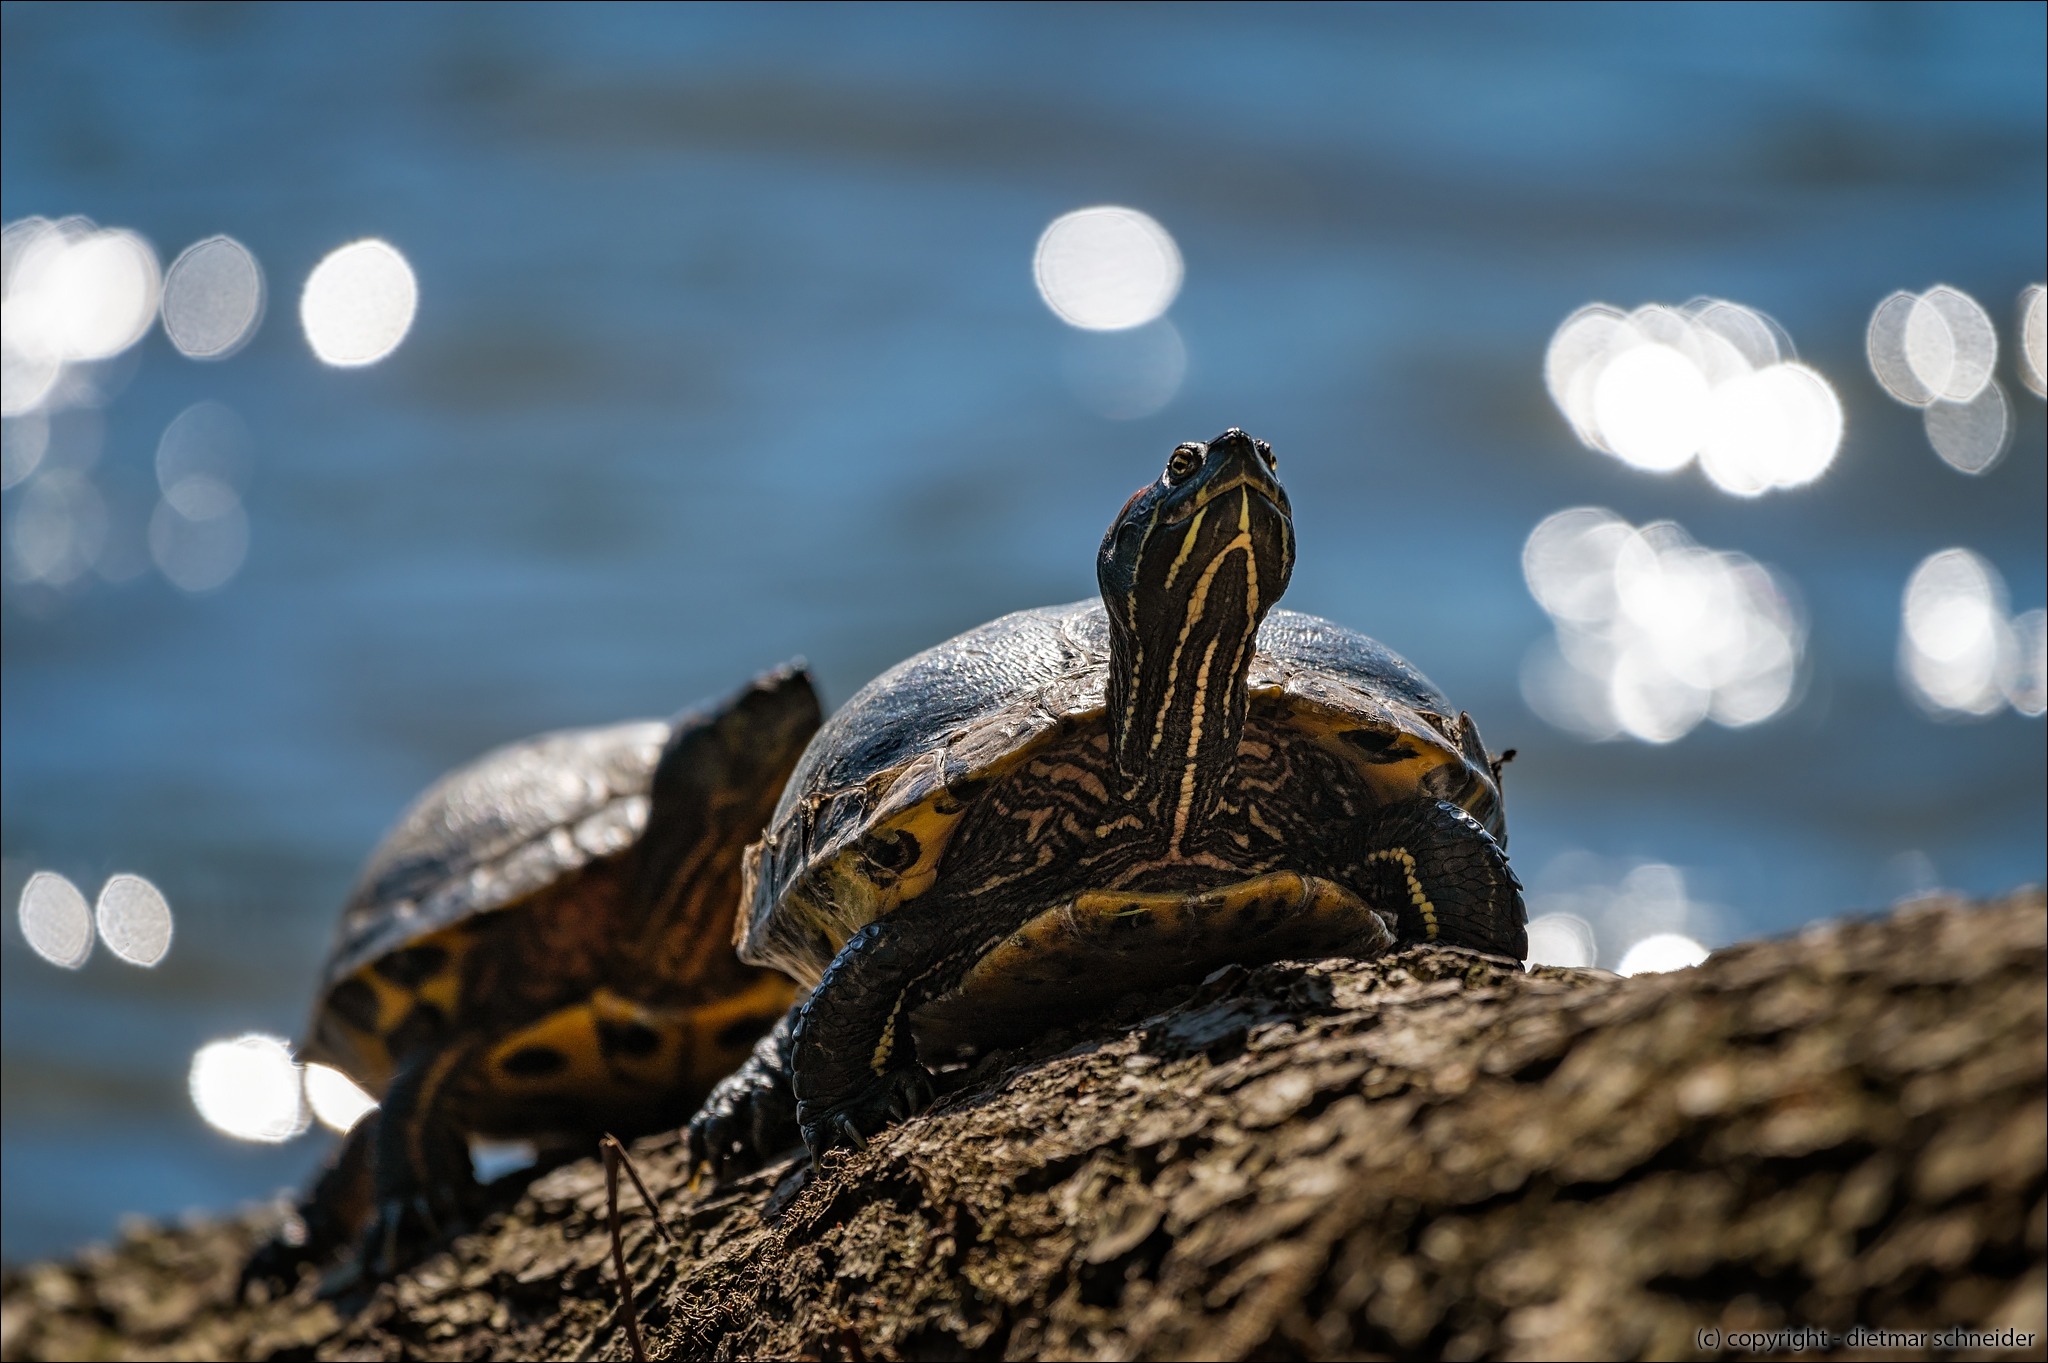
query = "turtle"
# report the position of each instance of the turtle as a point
(540, 949)
(1072, 803)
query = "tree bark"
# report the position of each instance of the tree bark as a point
(1427, 1155)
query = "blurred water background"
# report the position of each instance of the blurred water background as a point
(727, 348)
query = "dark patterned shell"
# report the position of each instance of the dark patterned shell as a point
(912, 747)
(489, 834)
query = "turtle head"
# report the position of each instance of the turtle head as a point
(1188, 570)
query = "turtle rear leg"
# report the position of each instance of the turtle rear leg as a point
(1437, 871)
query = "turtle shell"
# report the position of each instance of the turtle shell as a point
(490, 835)
(897, 766)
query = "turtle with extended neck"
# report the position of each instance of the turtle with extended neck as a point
(1071, 803)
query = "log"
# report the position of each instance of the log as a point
(1432, 1154)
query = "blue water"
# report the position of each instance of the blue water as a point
(728, 350)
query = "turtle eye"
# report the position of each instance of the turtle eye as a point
(1184, 462)
(1266, 453)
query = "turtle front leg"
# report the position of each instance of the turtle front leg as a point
(1438, 872)
(751, 1115)
(854, 1060)
(329, 1216)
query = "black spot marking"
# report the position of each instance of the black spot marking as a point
(626, 1038)
(734, 1035)
(355, 1003)
(890, 854)
(422, 1027)
(413, 966)
(1380, 748)
(534, 1062)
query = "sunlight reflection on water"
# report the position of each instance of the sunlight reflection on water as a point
(1938, 351)
(213, 299)
(1630, 916)
(1960, 657)
(70, 292)
(1713, 380)
(55, 920)
(1653, 633)
(358, 303)
(134, 919)
(2033, 346)
(249, 1088)
(1124, 375)
(337, 1100)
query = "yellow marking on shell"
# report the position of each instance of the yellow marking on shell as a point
(1416, 894)
(571, 1033)
(1327, 721)
(366, 1056)
(767, 998)
(443, 988)
(686, 1049)
(1191, 930)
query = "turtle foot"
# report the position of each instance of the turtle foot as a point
(887, 1098)
(399, 1233)
(750, 1116)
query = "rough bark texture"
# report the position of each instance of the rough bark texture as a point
(1425, 1155)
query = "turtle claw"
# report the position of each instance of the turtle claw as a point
(401, 1228)
(891, 1097)
(750, 1116)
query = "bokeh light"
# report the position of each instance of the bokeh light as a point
(1660, 952)
(1589, 910)
(249, 1088)
(1970, 436)
(1561, 939)
(1715, 380)
(1124, 375)
(2027, 692)
(70, 291)
(199, 532)
(213, 298)
(1933, 346)
(55, 920)
(1938, 351)
(24, 440)
(58, 530)
(1653, 633)
(358, 303)
(2033, 346)
(336, 1099)
(1960, 657)
(1107, 268)
(206, 440)
(134, 919)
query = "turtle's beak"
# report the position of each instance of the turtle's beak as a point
(1234, 461)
